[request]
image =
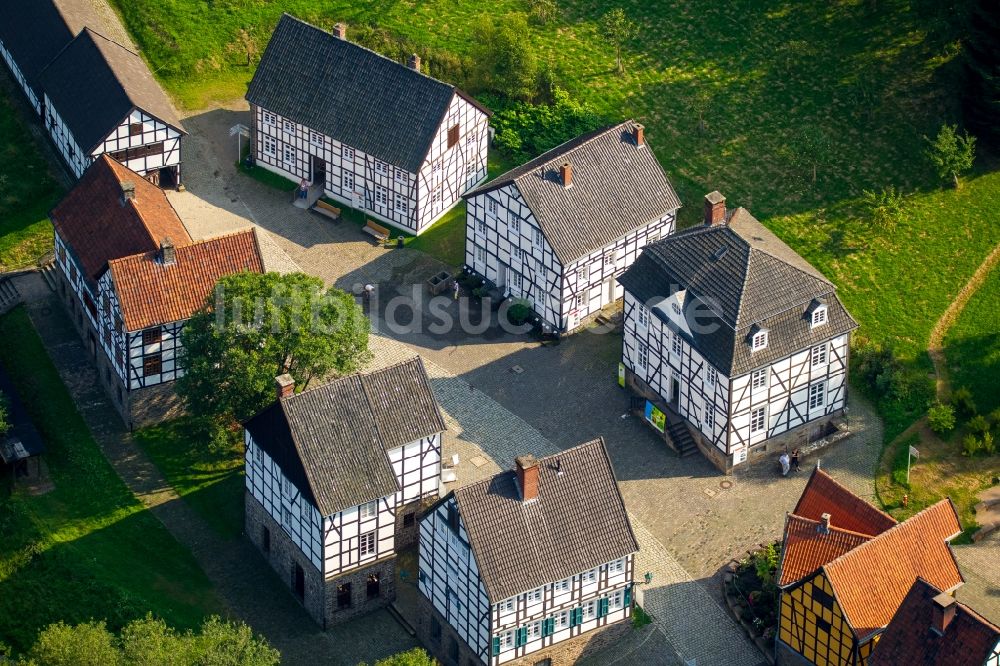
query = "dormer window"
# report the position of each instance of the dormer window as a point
(819, 316)
(816, 312)
(758, 338)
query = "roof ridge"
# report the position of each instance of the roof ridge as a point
(590, 139)
(831, 526)
(819, 471)
(746, 265)
(193, 245)
(87, 28)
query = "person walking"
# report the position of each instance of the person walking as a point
(303, 188)
(455, 289)
(795, 459)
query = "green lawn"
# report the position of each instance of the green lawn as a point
(207, 474)
(88, 549)
(849, 88)
(27, 192)
(972, 346)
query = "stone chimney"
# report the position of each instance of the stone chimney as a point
(527, 477)
(414, 62)
(566, 174)
(824, 523)
(128, 190)
(715, 209)
(284, 385)
(639, 134)
(340, 30)
(944, 612)
(168, 254)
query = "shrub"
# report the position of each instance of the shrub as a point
(951, 154)
(885, 208)
(506, 55)
(519, 313)
(941, 418)
(524, 131)
(961, 400)
(765, 562)
(979, 425)
(995, 418)
(989, 446)
(970, 445)
(544, 11)
(4, 419)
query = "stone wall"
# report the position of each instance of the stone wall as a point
(384, 569)
(568, 652)
(408, 535)
(440, 639)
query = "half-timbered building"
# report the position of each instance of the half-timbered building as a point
(530, 565)
(377, 135)
(94, 94)
(335, 476)
(131, 276)
(931, 628)
(732, 336)
(846, 567)
(559, 230)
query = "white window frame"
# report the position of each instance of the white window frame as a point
(368, 510)
(561, 586)
(588, 577)
(534, 596)
(288, 155)
(760, 379)
(270, 145)
(517, 253)
(481, 254)
(507, 640)
(491, 206)
(617, 567)
(516, 280)
(819, 316)
(642, 315)
(817, 395)
(481, 226)
(400, 175)
(711, 375)
(590, 610)
(515, 224)
(759, 341)
(758, 420)
(616, 600)
(818, 355)
(288, 127)
(367, 544)
(270, 119)
(710, 417)
(583, 273)
(562, 620)
(315, 138)
(534, 630)
(346, 152)
(380, 166)
(381, 196)
(402, 205)
(675, 345)
(642, 355)
(506, 606)
(347, 180)
(537, 236)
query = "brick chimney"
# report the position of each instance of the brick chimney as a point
(639, 134)
(715, 209)
(340, 30)
(566, 174)
(284, 385)
(943, 612)
(527, 477)
(824, 523)
(128, 190)
(414, 62)
(168, 254)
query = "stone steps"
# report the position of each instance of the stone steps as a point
(9, 295)
(48, 273)
(681, 437)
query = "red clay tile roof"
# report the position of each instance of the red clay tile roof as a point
(99, 226)
(848, 511)
(968, 639)
(806, 548)
(151, 293)
(871, 581)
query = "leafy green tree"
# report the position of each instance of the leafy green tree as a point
(952, 154)
(4, 416)
(885, 207)
(506, 55)
(414, 657)
(982, 67)
(618, 28)
(255, 327)
(812, 148)
(88, 644)
(524, 131)
(223, 643)
(941, 418)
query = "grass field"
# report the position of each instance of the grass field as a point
(208, 475)
(972, 346)
(88, 549)
(27, 192)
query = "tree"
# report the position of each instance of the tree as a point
(414, 657)
(617, 27)
(941, 418)
(952, 154)
(87, 644)
(982, 69)
(255, 327)
(505, 53)
(812, 148)
(886, 208)
(4, 416)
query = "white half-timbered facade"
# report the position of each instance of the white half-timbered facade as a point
(99, 97)
(341, 470)
(109, 261)
(558, 231)
(494, 602)
(736, 334)
(378, 136)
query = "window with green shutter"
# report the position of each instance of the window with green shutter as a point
(522, 637)
(576, 617)
(496, 645)
(602, 607)
(628, 595)
(548, 626)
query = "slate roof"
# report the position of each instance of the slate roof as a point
(909, 639)
(98, 225)
(95, 83)
(333, 441)
(806, 547)
(350, 93)
(871, 580)
(35, 31)
(577, 523)
(617, 188)
(740, 275)
(151, 293)
(823, 494)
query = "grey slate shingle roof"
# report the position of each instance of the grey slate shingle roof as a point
(757, 281)
(35, 31)
(333, 441)
(617, 187)
(350, 93)
(577, 523)
(95, 83)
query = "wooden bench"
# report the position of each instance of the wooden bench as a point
(375, 229)
(323, 208)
